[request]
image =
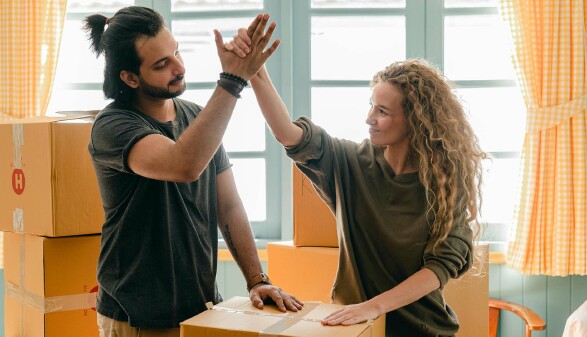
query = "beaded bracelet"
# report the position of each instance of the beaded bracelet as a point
(232, 86)
(233, 77)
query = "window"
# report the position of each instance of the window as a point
(476, 55)
(330, 49)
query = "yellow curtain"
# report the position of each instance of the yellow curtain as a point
(550, 230)
(30, 34)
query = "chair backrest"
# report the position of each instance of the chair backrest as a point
(532, 321)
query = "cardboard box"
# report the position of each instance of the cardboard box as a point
(237, 317)
(50, 285)
(289, 267)
(48, 185)
(314, 224)
(469, 297)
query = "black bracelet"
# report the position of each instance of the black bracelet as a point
(233, 87)
(234, 77)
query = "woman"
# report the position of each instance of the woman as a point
(406, 200)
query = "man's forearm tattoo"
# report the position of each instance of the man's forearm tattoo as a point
(228, 240)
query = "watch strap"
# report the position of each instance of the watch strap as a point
(259, 278)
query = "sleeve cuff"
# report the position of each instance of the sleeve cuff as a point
(440, 271)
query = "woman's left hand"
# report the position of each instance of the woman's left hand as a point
(352, 314)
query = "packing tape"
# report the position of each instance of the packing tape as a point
(18, 220)
(287, 321)
(50, 304)
(18, 142)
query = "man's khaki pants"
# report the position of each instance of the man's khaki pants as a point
(111, 328)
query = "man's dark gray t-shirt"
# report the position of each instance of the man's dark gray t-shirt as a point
(158, 255)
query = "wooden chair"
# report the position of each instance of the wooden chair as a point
(532, 321)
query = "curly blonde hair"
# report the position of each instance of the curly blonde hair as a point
(442, 146)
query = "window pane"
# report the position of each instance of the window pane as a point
(477, 47)
(208, 5)
(76, 62)
(498, 116)
(85, 6)
(249, 175)
(246, 129)
(470, 3)
(358, 3)
(196, 44)
(500, 186)
(76, 100)
(342, 118)
(354, 48)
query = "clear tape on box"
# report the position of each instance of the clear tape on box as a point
(50, 304)
(287, 321)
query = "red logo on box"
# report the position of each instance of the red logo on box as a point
(94, 290)
(18, 181)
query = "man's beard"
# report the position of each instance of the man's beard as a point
(157, 92)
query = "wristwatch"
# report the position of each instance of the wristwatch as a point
(259, 278)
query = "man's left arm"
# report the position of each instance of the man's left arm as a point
(236, 231)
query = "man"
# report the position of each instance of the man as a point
(165, 179)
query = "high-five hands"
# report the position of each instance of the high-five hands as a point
(241, 42)
(247, 64)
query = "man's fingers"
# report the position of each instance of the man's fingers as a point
(264, 40)
(299, 304)
(254, 25)
(289, 304)
(271, 49)
(260, 29)
(256, 300)
(278, 299)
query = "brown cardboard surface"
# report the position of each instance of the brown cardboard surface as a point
(314, 223)
(469, 297)
(49, 284)
(290, 268)
(47, 177)
(237, 317)
(306, 272)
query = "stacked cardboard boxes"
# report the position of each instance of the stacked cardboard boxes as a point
(51, 215)
(306, 266)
